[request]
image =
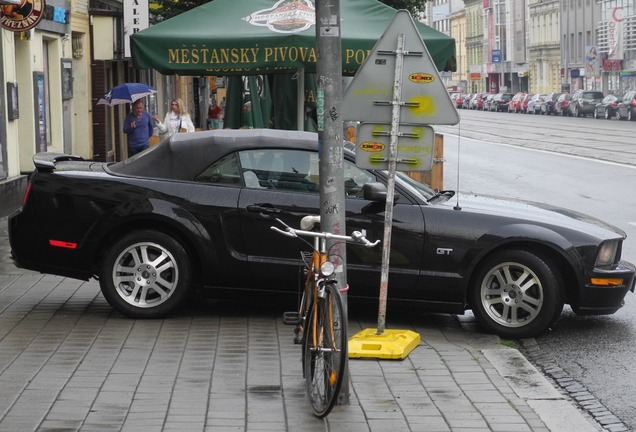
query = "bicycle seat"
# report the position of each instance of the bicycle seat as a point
(307, 223)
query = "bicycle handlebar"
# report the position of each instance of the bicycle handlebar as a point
(355, 237)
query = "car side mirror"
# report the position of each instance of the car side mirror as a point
(375, 191)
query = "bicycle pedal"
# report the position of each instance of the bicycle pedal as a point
(298, 340)
(291, 318)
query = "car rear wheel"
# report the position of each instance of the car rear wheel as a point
(629, 115)
(516, 294)
(146, 274)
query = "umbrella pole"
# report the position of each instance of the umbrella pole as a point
(300, 100)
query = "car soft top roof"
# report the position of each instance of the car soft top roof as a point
(185, 155)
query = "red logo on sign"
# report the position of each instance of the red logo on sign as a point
(23, 17)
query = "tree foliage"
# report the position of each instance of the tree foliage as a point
(164, 9)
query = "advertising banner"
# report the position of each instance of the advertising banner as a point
(615, 33)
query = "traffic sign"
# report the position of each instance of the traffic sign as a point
(369, 96)
(414, 148)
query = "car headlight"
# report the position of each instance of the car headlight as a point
(607, 253)
(327, 269)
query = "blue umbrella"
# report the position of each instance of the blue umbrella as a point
(126, 93)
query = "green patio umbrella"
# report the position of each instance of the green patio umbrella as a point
(259, 37)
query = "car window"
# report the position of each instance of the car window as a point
(592, 95)
(292, 170)
(224, 171)
(280, 169)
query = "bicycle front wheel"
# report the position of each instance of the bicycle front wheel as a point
(325, 351)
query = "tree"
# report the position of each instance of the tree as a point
(164, 9)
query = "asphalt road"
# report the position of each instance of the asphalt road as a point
(582, 164)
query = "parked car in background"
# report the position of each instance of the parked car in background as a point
(626, 109)
(459, 100)
(194, 214)
(472, 104)
(547, 106)
(583, 102)
(562, 104)
(524, 102)
(534, 104)
(488, 101)
(606, 108)
(501, 101)
(466, 102)
(480, 101)
(515, 102)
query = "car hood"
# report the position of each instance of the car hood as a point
(544, 214)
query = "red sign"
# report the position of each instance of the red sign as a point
(612, 65)
(24, 17)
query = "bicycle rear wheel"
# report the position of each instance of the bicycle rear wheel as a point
(325, 351)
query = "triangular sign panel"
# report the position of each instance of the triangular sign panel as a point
(369, 96)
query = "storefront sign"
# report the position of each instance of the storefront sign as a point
(24, 17)
(615, 30)
(496, 56)
(136, 18)
(612, 65)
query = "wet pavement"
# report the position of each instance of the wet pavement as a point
(68, 362)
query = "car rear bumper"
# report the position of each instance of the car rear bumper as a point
(605, 299)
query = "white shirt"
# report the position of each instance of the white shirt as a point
(173, 122)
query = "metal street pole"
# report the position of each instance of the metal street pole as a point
(330, 131)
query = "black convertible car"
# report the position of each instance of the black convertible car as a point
(195, 211)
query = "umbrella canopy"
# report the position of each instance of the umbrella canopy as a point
(126, 93)
(257, 37)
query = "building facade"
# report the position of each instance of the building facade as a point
(616, 46)
(544, 45)
(475, 58)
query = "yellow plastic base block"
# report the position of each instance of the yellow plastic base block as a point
(392, 344)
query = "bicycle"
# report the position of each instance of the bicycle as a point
(320, 317)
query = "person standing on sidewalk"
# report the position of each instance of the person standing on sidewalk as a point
(139, 127)
(214, 115)
(177, 119)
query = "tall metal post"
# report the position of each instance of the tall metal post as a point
(330, 139)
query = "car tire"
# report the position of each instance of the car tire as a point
(595, 114)
(618, 115)
(146, 274)
(516, 294)
(630, 117)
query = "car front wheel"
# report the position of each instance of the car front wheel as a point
(516, 294)
(146, 274)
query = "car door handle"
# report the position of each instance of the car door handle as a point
(265, 209)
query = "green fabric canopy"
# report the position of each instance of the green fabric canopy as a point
(258, 37)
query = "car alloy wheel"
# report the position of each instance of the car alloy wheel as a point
(146, 274)
(516, 294)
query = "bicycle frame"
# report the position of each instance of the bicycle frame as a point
(321, 318)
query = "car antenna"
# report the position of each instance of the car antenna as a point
(459, 144)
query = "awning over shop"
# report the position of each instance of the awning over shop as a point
(258, 37)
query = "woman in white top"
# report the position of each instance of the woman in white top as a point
(175, 120)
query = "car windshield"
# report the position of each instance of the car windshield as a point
(414, 187)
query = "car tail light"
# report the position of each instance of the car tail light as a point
(633, 102)
(26, 195)
(63, 244)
